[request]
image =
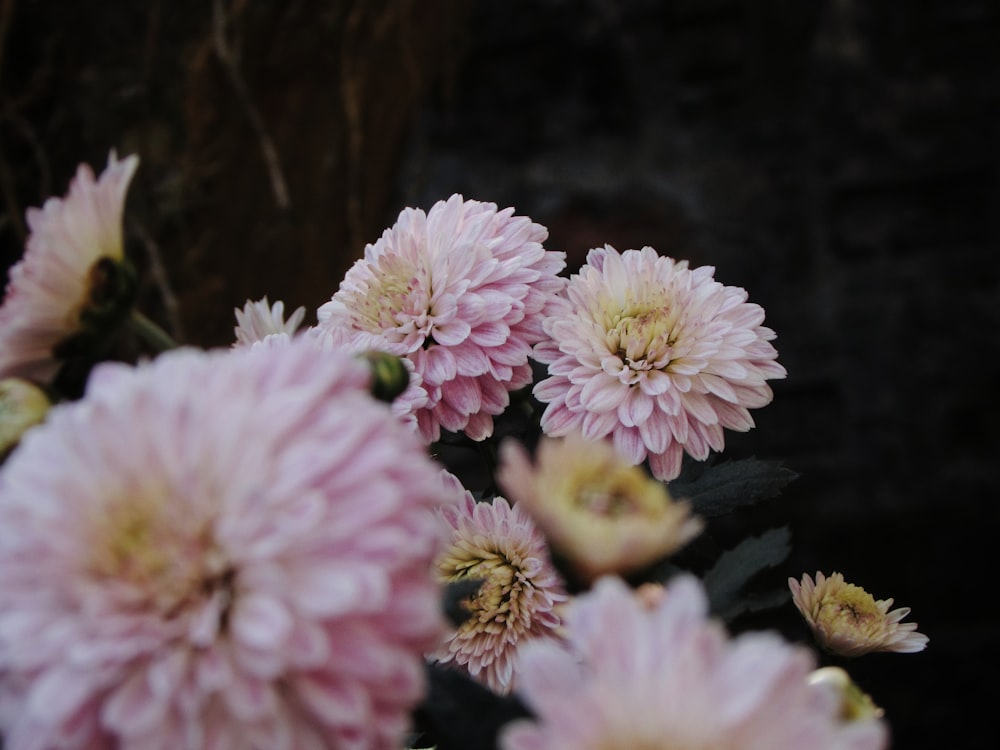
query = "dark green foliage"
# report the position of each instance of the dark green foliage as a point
(726, 580)
(717, 489)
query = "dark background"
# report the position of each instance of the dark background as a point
(837, 158)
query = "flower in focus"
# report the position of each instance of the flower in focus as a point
(226, 549)
(847, 620)
(598, 511)
(516, 602)
(461, 292)
(22, 406)
(73, 286)
(260, 319)
(635, 676)
(657, 355)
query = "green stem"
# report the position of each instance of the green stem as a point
(150, 332)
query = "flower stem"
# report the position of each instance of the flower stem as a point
(150, 332)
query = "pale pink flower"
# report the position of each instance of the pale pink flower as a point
(847, 620)
(517, 601)
(260, 319)
(229, 549)
(655, 355)
(601, 513)
(461, 291)
(52, 284)
(663, 676)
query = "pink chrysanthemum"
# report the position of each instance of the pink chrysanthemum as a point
(460, 291)
(515, 604)
(50, 287)
(260, 319)
(849, 621)
(657, 355)
(230, 549)
(662, 676)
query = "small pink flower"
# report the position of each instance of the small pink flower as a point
(52, 284)
(639, 674)
(847, 620)
(657, 356)
(260, 319)
(461, 291)
(228, 549)
(515, 604)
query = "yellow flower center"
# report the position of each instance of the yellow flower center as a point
(167, 558)
(615, 491)
(850, 609)
(497, 605)
(399, 295)
(643, 336)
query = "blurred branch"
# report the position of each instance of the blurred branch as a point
(351, 92)
(6, 178)
(224, 54)
(6, 13)
(158, 273)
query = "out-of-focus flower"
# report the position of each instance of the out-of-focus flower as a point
(228, 549)
(516, 602)
(665, 677)
(22, 406)
(407, 404)
(73, 286)
(847, 620)
(461, 292)
(657, 355)
(599, 511)
(855, 704)
(260, 319)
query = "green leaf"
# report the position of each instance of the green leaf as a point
(722, 488)
(734, 569)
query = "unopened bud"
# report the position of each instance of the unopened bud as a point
(389, 375)
(855, 704)
(22, 405)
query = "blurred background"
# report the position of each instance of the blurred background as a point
(837, 158)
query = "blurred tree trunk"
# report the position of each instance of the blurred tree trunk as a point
(269, 134)
(296, 114)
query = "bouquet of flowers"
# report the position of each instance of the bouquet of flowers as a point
(470, 506)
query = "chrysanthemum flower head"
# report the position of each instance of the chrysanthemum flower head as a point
(227, 549)
(663, 676)
(599, 511)
(847, 620)
(658, 356)
(460, 291)
(516, 603)
(260, 319)
(73, 285)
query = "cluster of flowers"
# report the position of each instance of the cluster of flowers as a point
(263, 546)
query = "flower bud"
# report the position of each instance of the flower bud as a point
(855, 704)
(389, 375)
(22, 405)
